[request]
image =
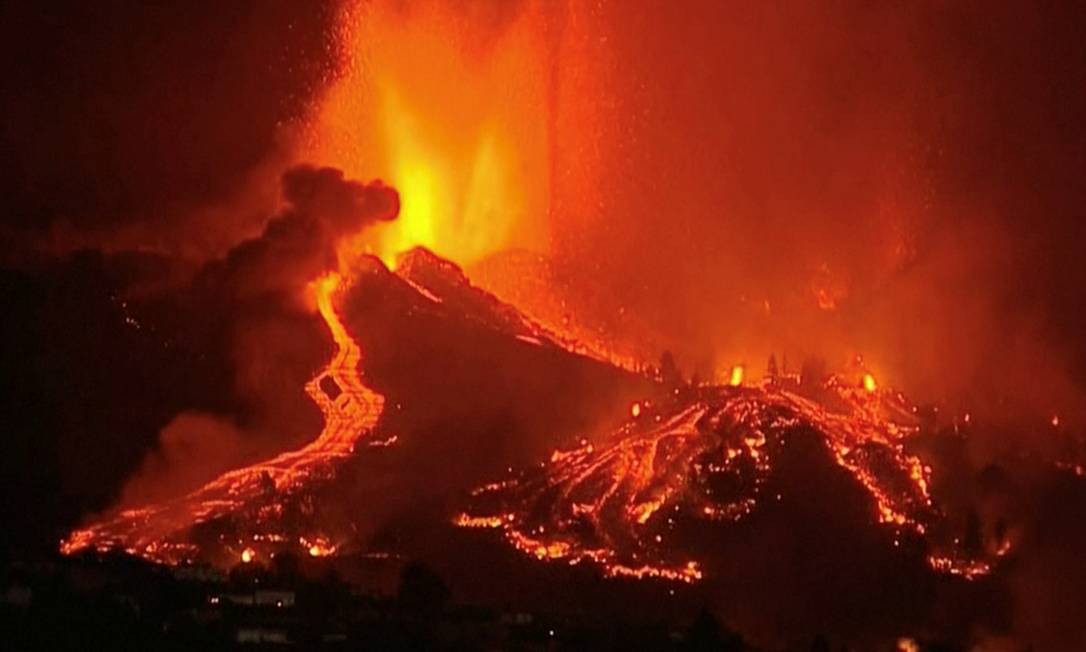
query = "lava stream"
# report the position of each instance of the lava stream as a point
(707, 456)
(350, 409)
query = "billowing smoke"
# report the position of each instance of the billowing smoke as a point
(255, 301)
(191, 450)
(300, 243)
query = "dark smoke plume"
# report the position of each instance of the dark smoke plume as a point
(254, 299)
(299, 244)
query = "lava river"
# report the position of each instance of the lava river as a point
(706, 455)
(160, 532)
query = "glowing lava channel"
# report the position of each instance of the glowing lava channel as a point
(707, 457)
(160, 532)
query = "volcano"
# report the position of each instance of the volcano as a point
(452, 392)
(593, 312)
(431, 325)
(459, 431)
(635, 500)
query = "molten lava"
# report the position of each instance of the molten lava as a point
(707, 456)
(161, 532)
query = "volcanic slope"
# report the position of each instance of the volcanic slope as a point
(449, 357)
(637, 501)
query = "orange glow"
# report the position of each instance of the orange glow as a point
(451, 111)
(869, 383)
(465, 520)
(689, 573)
(635, 410)
(158, 531)
(614, 504)
(317, 547)
(907, 645)
(736, 377)
(967, 569)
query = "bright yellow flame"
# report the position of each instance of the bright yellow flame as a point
(869, 383)
(452, 114)
(317, 547)
(248, 555)
(736, 378)
(635, 410)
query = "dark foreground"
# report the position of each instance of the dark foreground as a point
(116, 602)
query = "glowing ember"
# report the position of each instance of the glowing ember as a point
(160, 532)
(907, 645)
(248, 555)
(317, 547)
(635, 410)
(736, 377)
(869, 383)
(966, 568)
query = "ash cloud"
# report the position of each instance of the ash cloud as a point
(299, 243)
(250, 308)
(192, 449)
(910, 168)
(168, 373)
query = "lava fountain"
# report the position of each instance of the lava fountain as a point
(452, 107)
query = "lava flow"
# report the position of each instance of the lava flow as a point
(709, 455)
(161, 532)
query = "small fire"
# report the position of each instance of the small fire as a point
(317, 546)
(635, 410)
(869, 383)
(736, 377)
(907, 645)
(248, 555)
